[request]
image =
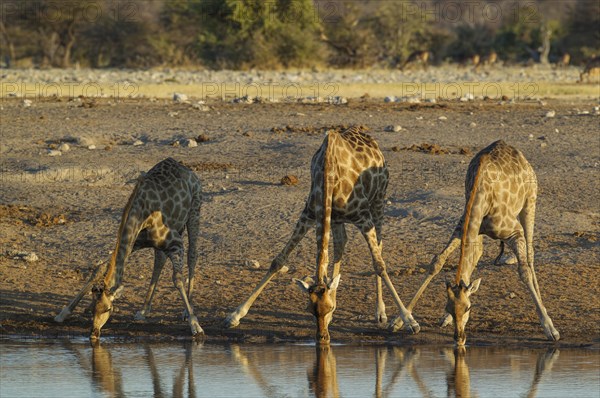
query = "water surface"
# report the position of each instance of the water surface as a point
(75, 369)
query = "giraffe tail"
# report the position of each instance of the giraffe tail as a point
(467, 220)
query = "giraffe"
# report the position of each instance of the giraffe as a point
(501, 193)
(349, 178)
(164, 202)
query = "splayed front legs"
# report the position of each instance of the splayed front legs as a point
(370, 235)
(277, 267)
(434, 268)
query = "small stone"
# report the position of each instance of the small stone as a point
(253, 264)
(530, 137)
(202, 138)
(337, 100)
(512, 295)
(550, 114)
(393, 128)
(190, 143)
(390, 99)
(27, 103)
(442, 118)
(91, 147)
(29, 257)
(54, 152)
(84, 141)
(201, 107)
(543, 144)
(180, 98)
(468, 97)
(465, 151)
(137, 143)
(289, 180)
(64, 147)
(472, 124)
(409, 100)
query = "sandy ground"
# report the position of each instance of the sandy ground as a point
(66, 210)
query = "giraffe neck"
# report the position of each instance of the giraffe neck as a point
(128, 231)
(469, 233)
(328, 181)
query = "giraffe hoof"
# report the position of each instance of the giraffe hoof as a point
(196, 328)
(63, 315)
(414, 328)
(230, 322)
(382, 321)
(139, 316)
(553, 335)
(396, 325)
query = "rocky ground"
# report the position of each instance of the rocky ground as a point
(69, 164)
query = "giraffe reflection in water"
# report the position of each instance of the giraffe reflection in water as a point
(385, 371)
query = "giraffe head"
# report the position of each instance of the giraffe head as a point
(102, 307)
(321, 303)
(459, 306)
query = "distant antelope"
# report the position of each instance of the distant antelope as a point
(564, 61)
(417, 57)
(591, 70)
(488, 60)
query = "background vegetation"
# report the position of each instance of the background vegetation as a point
(269, 34)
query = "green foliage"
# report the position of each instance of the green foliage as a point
(399, 33)
(257, 34)
(582, 36)
(243, 34)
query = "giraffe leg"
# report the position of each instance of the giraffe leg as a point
(277, 266)
(436, 265)
(66, 311)
(527, 220)
(519, 247)
(368, 231)
(380, 315)
(505, 258)
(159, 261)
(175, 254)
(193, 229)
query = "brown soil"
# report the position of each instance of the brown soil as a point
(66, 209)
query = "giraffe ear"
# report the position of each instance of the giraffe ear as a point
(473, 287)
(302, 285)
(334, 283)
(116, 294)
(451, 295)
